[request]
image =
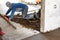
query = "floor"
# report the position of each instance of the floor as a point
(24, 28)
(54, 35)
(15, 34)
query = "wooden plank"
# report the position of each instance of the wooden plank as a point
(7, 21)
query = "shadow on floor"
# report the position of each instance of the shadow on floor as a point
(54, 35)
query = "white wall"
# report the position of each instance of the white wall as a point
(52, 15)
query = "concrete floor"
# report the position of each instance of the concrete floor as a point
(15, 34)
(54, 35)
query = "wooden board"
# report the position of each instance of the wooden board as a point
(7, 21)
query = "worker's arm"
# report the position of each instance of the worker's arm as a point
(8, 11)
(12, 13)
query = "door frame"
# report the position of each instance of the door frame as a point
(42, 18)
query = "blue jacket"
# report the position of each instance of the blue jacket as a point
(13, 7)
(18, 5)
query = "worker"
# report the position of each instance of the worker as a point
(16, 6)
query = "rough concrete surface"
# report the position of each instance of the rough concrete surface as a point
(53, 35)
(15, 34)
